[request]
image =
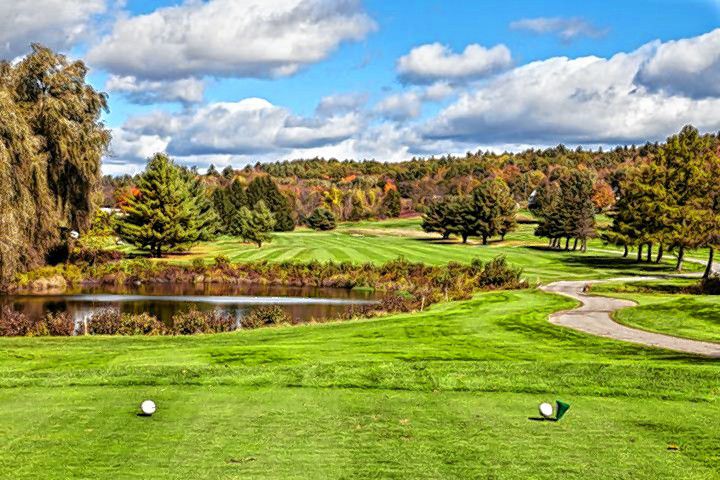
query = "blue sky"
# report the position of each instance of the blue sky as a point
(238, 81)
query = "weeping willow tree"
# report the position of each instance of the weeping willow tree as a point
(51, 142)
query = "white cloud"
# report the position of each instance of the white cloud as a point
(58, 24)
(582, 101)
(587, 100)
(432, 62)
(567, 29)
(250, 127)
(185, 90)
(229, 38)
(688, 67)
(341, 103)
(400, 106)
(438, 91)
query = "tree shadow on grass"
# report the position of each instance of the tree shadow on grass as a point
(605, 262)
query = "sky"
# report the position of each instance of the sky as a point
(235, 82)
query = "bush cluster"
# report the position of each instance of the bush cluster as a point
(109, 321)
(265, 315)
(17, 324)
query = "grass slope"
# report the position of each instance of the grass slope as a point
(441, 394)
(664, 308)
(380, 242)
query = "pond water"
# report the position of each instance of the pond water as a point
(165, 300)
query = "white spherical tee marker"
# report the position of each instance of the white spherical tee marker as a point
(148, 407)
(546, 410)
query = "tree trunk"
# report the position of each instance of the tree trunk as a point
(681, 257)
(625, 253)
(502, 237)
(567, 243)
(464, 237)
(485, 238)
(575, 242)
(649, 252)
(709, 268)
(640, 247)
(583, 248)
(446, 235)
(660, 254)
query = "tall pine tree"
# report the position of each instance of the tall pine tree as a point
(263, 188)
(168, 212)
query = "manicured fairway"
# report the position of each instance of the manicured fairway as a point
(380, 242)
(689, 316)
(441, 394)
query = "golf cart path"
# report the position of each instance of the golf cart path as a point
(594, 317)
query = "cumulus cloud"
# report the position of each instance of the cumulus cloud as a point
(577, 101)
(229, 38)
(185, 90)
(433, 62)
(400, 106)
(567, 29)
(686, 67)
(341, 103)
(588, 100)
(58, 24)
(252, 126)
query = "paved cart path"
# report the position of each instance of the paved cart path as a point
(593, 317)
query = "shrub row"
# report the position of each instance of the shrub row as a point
(17, 324)
(109, 321)
(394, 275)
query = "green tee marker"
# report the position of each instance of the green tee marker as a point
(562, 409)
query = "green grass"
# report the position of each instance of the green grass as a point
(380, 242)
(445, 393)
(665, 308)
(441, 394)
(689, 316)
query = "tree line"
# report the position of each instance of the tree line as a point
(672, 201)
(487, 211)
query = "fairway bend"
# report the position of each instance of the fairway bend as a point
(594, 317)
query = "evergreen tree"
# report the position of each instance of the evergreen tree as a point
(228, 202)
(263, 188)
(566, 209)
(459, 216)
(212, 171)
(578, 211)
(167, 213)
(206, 221)
(228, 173)
(435, 219)
(391, 205)
(254, 225)
(493, 210)
(321, 219)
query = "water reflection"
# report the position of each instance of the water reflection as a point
(165, 300)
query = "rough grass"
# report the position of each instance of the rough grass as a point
(441, 394)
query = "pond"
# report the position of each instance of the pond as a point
(303, 304)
